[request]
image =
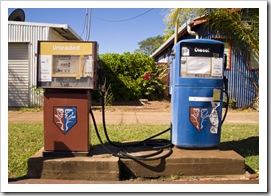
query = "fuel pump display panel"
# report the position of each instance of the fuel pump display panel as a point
(201, 60)
(72, 66)
(67, 65)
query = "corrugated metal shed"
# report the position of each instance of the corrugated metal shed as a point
(239, 75)
(240, 78)
(30, 33)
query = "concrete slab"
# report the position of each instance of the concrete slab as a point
(103, 166)
(184, 162)
(73, 168)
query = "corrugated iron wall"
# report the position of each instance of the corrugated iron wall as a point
(31, 35)
(240, 78)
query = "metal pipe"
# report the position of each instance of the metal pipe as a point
(190, 31)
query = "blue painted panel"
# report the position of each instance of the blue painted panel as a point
(195, 124)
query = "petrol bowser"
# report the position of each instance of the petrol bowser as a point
(197, 93)
(67, 73)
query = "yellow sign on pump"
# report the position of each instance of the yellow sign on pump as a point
(66, 48)
(64, 64)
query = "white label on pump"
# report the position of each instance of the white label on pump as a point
(217, 67)
(45, 69)
(200, 98)
(214, 120)
(198, 65)
(88, 67)
(185, 51)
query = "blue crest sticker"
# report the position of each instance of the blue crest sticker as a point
(198, 117)
(65, 118)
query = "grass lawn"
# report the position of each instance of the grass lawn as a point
(24, 140)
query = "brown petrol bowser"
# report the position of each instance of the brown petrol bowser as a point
(67, 71)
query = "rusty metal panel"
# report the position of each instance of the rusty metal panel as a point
(66, 119)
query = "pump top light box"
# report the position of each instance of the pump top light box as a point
(67, 65)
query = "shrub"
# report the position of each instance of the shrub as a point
(133, 76)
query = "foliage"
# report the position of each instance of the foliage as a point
(24, 140)
(39, 93)
(149, 45)
(178, 15)
(108, 98)
(239, 25)
(154, 83)
(232, 104)
(126, 72)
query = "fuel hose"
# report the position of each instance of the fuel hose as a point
(156, 145)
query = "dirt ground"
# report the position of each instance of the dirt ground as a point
(153, 106)
(150, 106)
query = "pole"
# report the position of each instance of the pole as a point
(176, 32)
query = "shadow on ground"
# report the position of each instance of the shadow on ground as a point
(246, 147)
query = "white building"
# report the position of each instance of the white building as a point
(23, 40)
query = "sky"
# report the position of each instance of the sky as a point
(116, 30)
(112, 36)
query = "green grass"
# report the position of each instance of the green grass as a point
(24, 140)
(243, 139)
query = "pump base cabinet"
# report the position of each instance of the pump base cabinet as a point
(197, 93)
(67, 71)
(66, 117)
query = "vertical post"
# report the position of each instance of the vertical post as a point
(176, 32)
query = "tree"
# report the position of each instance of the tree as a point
(240, 25)
(176, 17)
(149, 45)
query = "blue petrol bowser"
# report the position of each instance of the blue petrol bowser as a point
(197, 83)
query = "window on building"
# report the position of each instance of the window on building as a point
(253, 60)
(227, 51)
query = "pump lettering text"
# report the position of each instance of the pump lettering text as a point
(203, 50)
(57, 47)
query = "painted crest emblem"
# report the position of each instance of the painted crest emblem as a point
(197, 117)
(65, 118)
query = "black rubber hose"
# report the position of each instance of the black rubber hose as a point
(143, 158)
(123, 154)
(127, 145)
(225, 80)
(99, 137)
(227, 107)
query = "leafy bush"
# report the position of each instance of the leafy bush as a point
(133, 76)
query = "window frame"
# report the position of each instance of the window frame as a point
(252, 67)
(228, 67)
